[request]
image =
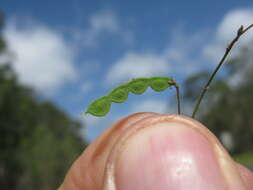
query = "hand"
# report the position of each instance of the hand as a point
(148, 151)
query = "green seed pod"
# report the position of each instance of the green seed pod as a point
(100, 107)
(119, 94)
(138, 86)
(160, 83)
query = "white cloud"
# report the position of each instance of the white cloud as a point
(103, 22)
(232, 21)
(214, 51)
(150, 105)
(42, 58)
(176, 59)
(133, 65)
(227, 30)
(87, 87)
(183, 51)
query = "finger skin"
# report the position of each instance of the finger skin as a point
(247, 176)
(88, 171)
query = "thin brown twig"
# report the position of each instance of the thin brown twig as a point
(178, 96)
(240, 32)
(178, 99)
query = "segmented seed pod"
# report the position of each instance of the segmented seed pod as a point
(100, 107)
(138, 86)
(160, 83)
(119, 94)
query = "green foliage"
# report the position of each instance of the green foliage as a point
(38, 142)
(101, 106)
(244, 158)
(58, 151)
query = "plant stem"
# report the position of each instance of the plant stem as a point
(240, 32)
(178, 96)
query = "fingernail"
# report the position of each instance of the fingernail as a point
(168, 155)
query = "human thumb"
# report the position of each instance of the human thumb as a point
(170, 152)
(148, 151)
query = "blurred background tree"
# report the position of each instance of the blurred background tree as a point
(38, 141)
(228, 107)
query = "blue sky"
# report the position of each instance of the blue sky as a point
(72, 52)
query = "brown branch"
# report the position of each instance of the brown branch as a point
(178, 96)
(240, 32)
